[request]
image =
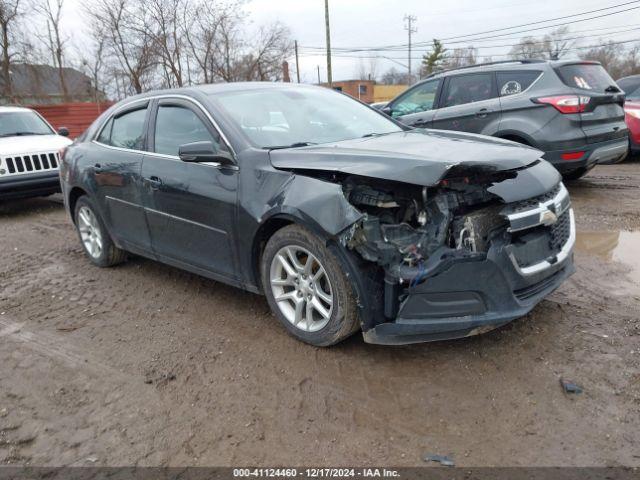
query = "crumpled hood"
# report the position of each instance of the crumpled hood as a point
(29, 144)
(420, 157)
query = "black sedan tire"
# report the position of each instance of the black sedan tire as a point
(307, 289)
(94, 237)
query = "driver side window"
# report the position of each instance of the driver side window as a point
(420, 99)
(177, 125)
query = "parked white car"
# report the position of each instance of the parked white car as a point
(28, 154)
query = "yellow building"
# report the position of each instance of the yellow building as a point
(384, 93)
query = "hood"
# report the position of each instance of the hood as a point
(420, 157)
(32, 144)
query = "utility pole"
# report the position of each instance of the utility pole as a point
(411, 29)
(326, 20)
(318, 74)
(297, 61)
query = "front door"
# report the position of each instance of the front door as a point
(115, 169)
(469, 104)
(190, 207)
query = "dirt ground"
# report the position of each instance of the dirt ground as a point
(144, 364)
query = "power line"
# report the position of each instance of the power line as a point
(545, 21)
(403, 46)
(483, 46)
(346, 55)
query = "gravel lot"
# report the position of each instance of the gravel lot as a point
(144, 364)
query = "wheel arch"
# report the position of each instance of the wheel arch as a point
(74, 194)
(271, 225)
(517, 137)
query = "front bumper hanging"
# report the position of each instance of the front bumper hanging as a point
(464, 295)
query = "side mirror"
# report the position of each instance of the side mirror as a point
(63, 131)
(386, 110)
(203, 152)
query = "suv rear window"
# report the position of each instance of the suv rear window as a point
(585, 76)
(511, 83)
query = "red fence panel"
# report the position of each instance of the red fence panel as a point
(75, 116)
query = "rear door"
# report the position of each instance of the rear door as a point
(469, 103)
(190, 207)
(416, 107)
(115, 165)
(603, 115)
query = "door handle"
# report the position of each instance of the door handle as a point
(155, 182)
(483, 112)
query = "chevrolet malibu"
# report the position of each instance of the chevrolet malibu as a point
(343, 218)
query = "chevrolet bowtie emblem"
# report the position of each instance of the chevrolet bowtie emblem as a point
(548, 218)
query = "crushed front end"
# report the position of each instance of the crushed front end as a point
(463, 257)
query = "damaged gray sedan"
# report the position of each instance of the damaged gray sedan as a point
(344, 219)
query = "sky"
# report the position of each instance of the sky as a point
(367, 23)
(380, 22)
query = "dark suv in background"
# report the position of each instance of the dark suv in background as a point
(571, 110)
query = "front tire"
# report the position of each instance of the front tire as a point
(94, 237)
(307, 289)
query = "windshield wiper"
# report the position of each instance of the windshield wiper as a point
(376, 134)
(293, 145)
(21, 134)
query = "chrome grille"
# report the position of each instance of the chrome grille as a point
(30, 163)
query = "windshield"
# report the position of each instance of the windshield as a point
(22, 123)
(586, 77)
(281, 117)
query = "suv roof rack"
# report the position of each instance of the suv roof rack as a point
(499, 62)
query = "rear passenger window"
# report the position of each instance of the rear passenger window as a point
(125, 130)
(464, 89)
(512, 83)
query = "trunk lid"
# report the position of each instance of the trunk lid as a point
(603, 116)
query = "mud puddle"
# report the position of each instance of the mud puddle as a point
(614, 246)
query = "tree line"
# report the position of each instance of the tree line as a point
(131, 46)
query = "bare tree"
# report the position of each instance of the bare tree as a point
(51, 11)
(557, 43)
(528, 48)
(92, 61)
(395, 77)
(367, 70)
(9, 14)
(166, 32)
(124, 26)
(461, 57)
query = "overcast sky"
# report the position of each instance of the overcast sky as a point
(369, 23)
(380, 22)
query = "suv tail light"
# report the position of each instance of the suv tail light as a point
(566, 103)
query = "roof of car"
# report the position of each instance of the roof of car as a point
(526, 64)
(9, 109)
(215, 88)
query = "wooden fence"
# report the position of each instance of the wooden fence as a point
(75, 116)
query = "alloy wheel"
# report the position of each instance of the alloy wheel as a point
(90, 232)
(301, 288)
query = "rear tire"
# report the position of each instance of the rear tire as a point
(307, 289)
(94, 237)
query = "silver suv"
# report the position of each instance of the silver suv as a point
(571, 110)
